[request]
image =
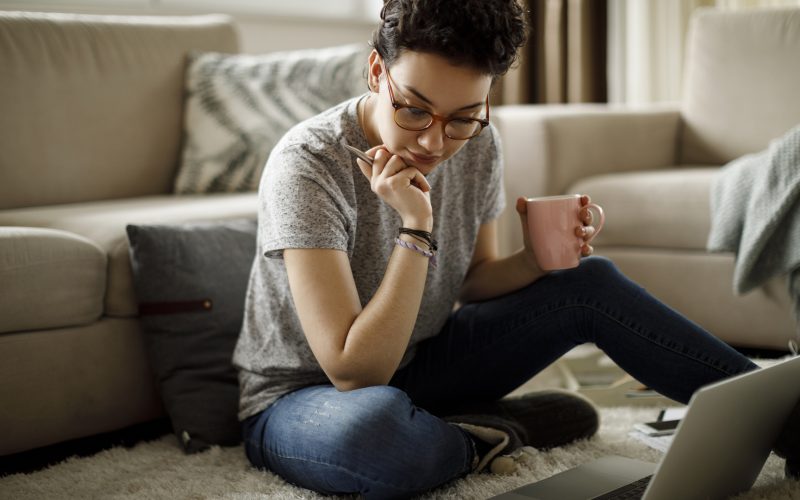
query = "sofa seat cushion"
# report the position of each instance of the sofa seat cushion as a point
(657, 209)
(698, 284)
(70, 268)
(104, 224)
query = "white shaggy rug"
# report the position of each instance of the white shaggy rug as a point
(158, 469)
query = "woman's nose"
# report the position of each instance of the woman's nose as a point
(432, 138)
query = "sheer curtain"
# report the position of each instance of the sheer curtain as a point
(646, 45)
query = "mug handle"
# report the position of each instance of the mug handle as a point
(599, 226)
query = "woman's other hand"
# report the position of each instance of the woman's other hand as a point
(584, 231)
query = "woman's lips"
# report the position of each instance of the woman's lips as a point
(423, 159)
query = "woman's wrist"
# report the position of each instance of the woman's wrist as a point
(424, 224)
(529, 258)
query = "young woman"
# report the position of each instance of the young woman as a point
(352, 348)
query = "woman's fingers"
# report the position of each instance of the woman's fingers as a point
(386, 166)
(586, 216)
(369, 169)
(584, 232)
(380, 158)
(522, 206)
(365, 168)
(397, 168)
(407, 176)
(587, 230)
(419, 180)
(394, 165)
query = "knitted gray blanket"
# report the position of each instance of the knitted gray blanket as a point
(755, 213)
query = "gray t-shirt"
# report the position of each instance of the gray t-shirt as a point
(313, 195)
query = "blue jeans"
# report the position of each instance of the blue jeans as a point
(380, 442)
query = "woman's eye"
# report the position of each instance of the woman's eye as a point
(417, 112)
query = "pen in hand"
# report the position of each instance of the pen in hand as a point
(359, 153)
(369, 160)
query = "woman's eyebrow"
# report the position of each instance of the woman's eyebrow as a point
(428, 101)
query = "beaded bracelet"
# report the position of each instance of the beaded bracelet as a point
(411, 246)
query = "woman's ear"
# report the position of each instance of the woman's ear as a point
(374, 71)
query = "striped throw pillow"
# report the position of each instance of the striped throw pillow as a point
(238, 106)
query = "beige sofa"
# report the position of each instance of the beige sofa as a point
(651, 168)
(91, 123)
(90, 140)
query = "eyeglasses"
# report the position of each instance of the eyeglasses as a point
(417, 119)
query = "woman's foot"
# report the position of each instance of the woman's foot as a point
(494, 441)
(544, 419)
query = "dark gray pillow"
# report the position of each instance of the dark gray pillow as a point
(190, 280)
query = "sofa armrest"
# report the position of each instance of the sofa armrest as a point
(547, 148)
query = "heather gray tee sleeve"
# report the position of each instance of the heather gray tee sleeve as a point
(495, 192)
(302, 206)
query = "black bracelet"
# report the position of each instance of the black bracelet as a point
(421, 240)
(421, 235)
(418, 234)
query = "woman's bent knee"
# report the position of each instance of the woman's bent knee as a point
(598, 265)
(386, 422)
(596, 272)
(368, 438)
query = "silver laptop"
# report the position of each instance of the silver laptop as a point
(718, 449)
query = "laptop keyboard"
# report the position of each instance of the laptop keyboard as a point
(634, 490)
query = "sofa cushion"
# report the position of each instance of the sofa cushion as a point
(49, 278)
(104, 224)
(238, 107)
(191, 281)
(92, 104)
(660, 209)
(698, 284)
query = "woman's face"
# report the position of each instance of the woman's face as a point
(428, 82)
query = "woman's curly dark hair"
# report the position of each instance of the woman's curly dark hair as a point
(482, 34)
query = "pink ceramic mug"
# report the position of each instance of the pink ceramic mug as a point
(552, 221)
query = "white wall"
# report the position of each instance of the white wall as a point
(259, 32)
(270, 34)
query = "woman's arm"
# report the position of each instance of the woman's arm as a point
(489, 276)
(363, 347)
(356, 347)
